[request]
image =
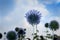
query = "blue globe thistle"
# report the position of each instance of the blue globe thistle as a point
(11, 35)
(33, 17)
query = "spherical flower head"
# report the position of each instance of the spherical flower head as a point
(4, 32)
(0, 35)
(47, 25)
(11, 35)
(33, 17)
(54, 25)
(17, 29)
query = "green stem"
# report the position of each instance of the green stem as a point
(20, 37)
(53, 34)
(33, 32)
(36, 32)
(36, 29)
(46, 32)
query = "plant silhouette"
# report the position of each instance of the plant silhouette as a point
(11, 35)
(53, 25)
(33, 17)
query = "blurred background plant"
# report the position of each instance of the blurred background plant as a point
(11, 35)
(53, 25)
(20, 32)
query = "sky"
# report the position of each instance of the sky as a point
(12, 14)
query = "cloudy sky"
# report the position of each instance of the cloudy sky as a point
(12, 14)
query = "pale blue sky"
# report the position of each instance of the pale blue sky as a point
(12, 14)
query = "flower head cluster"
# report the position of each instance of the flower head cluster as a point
(33, 16)
(21, 31)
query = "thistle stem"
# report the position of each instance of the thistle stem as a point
(36, 29)
(33, 32)
(53, 34)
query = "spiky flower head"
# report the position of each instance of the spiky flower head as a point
(33, 17)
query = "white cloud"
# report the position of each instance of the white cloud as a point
(40, 8)
(58, 1)
(54, 18)
(48, 1)
(8, 18)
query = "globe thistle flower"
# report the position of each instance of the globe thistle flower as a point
(33, 17)
(4, 33)
(54, 25)
(17, 29)
(47, 25)
(11, 35)
(0, 35)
